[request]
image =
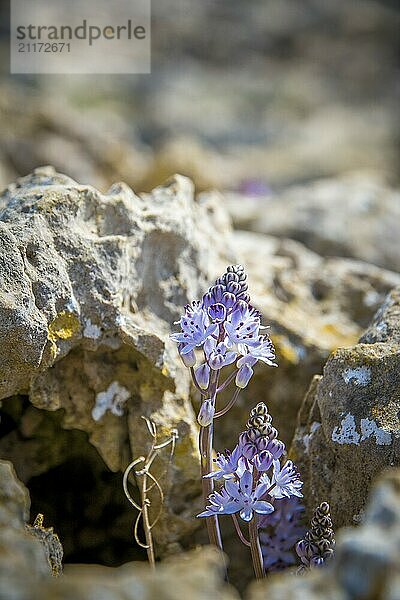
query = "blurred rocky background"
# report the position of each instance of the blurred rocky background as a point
(249, 97)
(289, 109)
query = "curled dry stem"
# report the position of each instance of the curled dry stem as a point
(144, 475)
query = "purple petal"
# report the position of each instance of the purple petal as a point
(232, 488)
(260, 490)
(230, 508)
(211, 329)
(206, 513)
(230, 358)
(263, 508)
(246, 482)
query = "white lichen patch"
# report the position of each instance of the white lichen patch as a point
(382, 327)
(112, 399)
(73, 305)
(359, 376)
(369, 427)
(346, 433)
(91, 330)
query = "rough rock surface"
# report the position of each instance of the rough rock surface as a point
(367, 561)
(25, 573)
(355, 216)
(21, 555)
(50, 542)
(196, 575)
(349, 423)
(314, 305)
(90, 284)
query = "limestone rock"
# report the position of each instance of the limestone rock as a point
(90, 285)
(196, 575)
(367, 561)
(349, 424)
(314, 305)
(50, 542)
(21, 555)
(26, 575)
(326, 214)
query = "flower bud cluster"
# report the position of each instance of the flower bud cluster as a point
(227, 329)
(260, 436)
(319, 542)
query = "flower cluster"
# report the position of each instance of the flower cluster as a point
(248, 488)
(227, 329)
(279, 533)
(318, 544)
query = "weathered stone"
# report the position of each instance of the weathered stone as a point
(197, 575)
(25, 573)
(21, 555)
(90, 285)
(367, 561)
(324, 216)
(314, 305)
(50, 542)
(349, 424)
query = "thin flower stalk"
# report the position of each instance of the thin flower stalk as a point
(147, 482)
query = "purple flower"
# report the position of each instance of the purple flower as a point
(246, 500)
(285, 481)
(265, 351)
(219, 504)
(279, 533)
(206, 413)
(218, 355)
(195, 328)
(239, 497)
(243, 326)
(228, 464)
(235, 282)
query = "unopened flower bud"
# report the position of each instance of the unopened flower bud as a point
(243, 376)
(263, 460)
(189, 358)
(260, 409)
(203, 376)
(276, 447)
(206, 413)
(217, 312)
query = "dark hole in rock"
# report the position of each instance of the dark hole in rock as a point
(70, 484)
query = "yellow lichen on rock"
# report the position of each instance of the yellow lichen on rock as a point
(65, 326)
(285, 348)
